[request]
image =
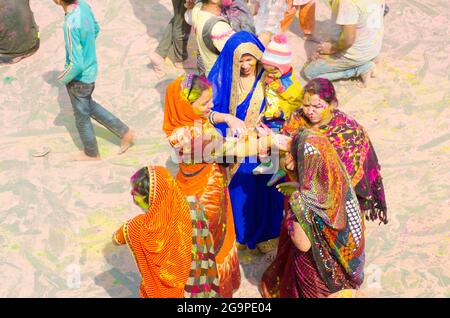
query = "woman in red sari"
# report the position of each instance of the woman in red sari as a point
(350, 140)
(321, 248)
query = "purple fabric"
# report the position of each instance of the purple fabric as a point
(293, 274)
(309, 283)
(322, 87)
(239, 16)
(356, 152)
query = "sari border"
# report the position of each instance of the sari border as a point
(257, 96)
(244, 48)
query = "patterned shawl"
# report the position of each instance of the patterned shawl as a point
(326, 208)
(356, 152)
(353, 146)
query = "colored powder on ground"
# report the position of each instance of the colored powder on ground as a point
(8, 79)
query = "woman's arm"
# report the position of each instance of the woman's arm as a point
(118, 238)
(280, 141)
(247, 146)
(238, 126)
(299, 238)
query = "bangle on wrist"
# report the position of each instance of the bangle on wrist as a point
(211, 118)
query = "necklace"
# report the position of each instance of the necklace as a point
(245, 85)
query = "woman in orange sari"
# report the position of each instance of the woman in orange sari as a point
(171, 243)
(187, 107)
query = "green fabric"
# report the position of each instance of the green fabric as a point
(80, 32)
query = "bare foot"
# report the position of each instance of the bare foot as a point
(158, 65)
(269, 257)
(313, 38)
(365, 79)
(253, 251)
(81, 156)
(241, 247)
(127, 140)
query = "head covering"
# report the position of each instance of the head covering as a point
(278, 54)
(327, 209)
(178, 110)
(161, 239)
(225, 75)
(191, 86)
(354, 148)
(322, 87)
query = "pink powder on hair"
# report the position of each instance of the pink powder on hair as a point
(227, 3)
(280, 38)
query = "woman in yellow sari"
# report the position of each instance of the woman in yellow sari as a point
(187, 107)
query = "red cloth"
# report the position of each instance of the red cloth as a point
(300, 279)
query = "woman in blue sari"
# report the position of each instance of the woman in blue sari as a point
(238, 90)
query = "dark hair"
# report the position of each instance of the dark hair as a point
(300, 138)
(193, 86)
(201, 83)
(322, 87)
(140, 182)
(69, 1)
(294, 146)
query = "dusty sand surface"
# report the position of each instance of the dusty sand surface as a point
(57, 216)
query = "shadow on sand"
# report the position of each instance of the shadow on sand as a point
(123, 279)
(66, 117)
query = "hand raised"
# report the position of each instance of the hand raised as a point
(289, 162)
(287, 188)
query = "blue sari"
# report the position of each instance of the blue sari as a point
(257, 208)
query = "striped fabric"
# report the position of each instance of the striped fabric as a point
(69, 51)
(278, 54)
(161, 239)
(203, 280)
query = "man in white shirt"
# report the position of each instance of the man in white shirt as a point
(211, 30)
(359, 43)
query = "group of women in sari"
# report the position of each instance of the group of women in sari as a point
(185, 244)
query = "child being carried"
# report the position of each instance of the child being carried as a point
(283, 95)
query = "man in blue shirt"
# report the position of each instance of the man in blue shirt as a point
(80, 32)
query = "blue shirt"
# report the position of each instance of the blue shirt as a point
(80, 32)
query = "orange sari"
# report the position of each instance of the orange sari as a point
(206, 181)
(161, 239)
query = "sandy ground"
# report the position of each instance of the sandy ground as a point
(57, 216)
